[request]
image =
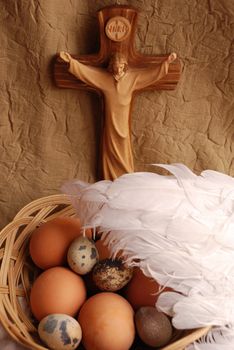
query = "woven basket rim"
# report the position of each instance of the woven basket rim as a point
(14, 281)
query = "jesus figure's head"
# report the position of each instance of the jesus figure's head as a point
(118, 65)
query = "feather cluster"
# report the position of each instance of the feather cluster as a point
(179, 230)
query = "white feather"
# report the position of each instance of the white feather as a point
(178, 229)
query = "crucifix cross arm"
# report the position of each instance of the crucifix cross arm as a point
(100, 78)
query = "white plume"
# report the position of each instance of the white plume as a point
(178, 229)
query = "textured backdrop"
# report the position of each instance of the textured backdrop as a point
(49, 135)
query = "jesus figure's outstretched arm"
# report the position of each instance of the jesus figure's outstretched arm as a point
(149, 76)
(90, 75)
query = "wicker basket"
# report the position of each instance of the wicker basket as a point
(17, 272)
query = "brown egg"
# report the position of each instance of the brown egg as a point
(141, 290)
(103, 250)
(50, 242)
(153, 327)
(57, 291)
(107, 322)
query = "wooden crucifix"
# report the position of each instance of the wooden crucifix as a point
(117, 72)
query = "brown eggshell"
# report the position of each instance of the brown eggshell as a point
(153, 327)
(141, 290)
(57, 291)
(107, 322)
(50, 242)
(103, 250)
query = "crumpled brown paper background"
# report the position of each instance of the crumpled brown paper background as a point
(49, 135)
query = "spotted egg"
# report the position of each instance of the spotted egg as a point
(60, 332)
(82, 255)
(111, 275)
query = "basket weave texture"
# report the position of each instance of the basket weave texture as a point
(17, 272)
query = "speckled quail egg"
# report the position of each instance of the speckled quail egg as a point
(82, 255)
(60, 332)
(111, 275)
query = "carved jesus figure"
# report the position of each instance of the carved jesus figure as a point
(117, 83)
